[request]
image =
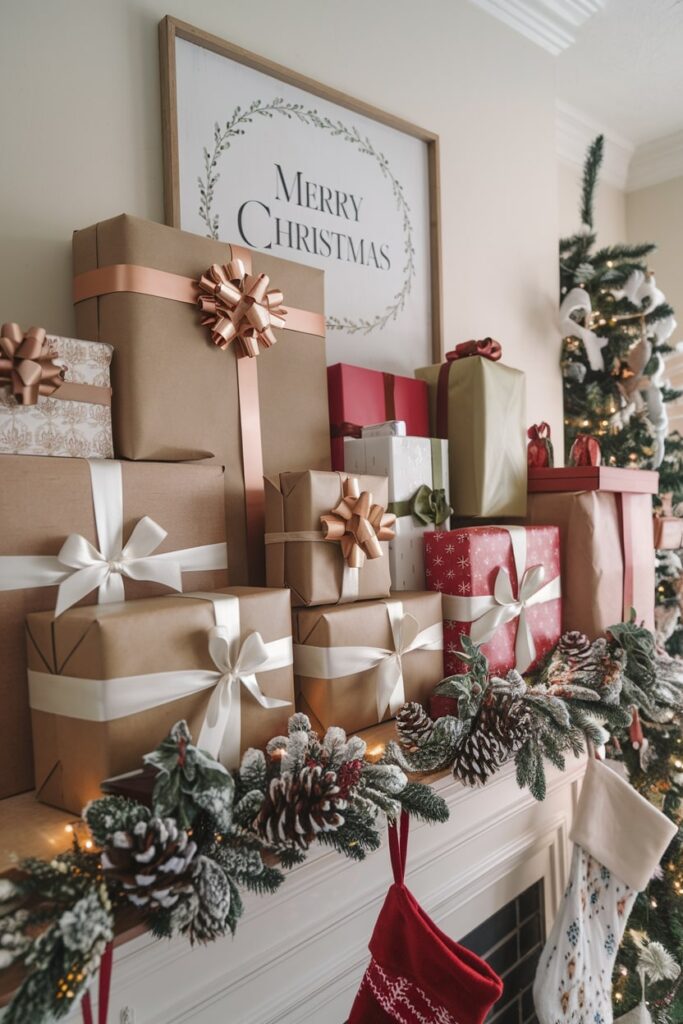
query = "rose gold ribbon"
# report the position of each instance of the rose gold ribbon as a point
(28, 363)
(238, 306)
(358, 525)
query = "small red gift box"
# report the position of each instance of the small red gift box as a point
(359, 397)
(501, 587)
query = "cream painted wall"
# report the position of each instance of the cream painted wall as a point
(82, 141)
(610, 206)
(656, 214)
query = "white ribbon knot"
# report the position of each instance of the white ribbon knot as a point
(334, 662)
(238, 662)
(105, 570)
(489, 612)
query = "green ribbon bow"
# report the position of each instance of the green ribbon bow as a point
(426, 505)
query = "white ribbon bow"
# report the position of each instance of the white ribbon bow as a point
(489, 612)
(238, 662)
(80, 567)
(333, 662)
(579, 299)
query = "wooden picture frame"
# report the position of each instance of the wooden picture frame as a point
(171, 30)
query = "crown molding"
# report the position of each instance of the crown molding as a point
(550, 24)
(656, 161)
(574, 132)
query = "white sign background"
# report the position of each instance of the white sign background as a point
(364, 283)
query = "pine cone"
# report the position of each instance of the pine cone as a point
(297, 808)
(575, 647)
(153, 862)
(499, 730)
(413, 724)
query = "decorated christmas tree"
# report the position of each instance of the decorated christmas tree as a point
(617, 328)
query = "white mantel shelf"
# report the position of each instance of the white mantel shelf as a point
(298, 956)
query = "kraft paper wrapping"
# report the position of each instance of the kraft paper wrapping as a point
(72, 756)
(42, 501)
(175, 392)
(486, 435)
(350, 701)
(313, 570)
(592, 550)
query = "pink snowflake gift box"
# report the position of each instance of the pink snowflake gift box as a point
(501, 587)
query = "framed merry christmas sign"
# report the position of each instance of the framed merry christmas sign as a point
(260, 156)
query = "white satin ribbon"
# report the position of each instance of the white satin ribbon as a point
(579, 299)
(489, 612)
(334, 662)
(80, 567)
(102, 700)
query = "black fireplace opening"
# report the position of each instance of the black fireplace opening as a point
(511, 941)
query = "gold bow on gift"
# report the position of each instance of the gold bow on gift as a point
(238, 307)
(358, 525)
(28, 363)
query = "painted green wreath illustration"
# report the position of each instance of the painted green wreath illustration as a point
(235, 127)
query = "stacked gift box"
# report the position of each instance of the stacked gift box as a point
(252, 548)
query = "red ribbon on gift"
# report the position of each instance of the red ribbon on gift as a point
(489, 348)
(540, 453)
(104, 990)
(346, 429)
(585, 451)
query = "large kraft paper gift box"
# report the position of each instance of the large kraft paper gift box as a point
(108, 682)
(55, 395)
(43, 501)
(479, 405)
(177, 395)
(500, 586)
(604, 515)
(360, 397)
(417, 472)
(354, 687)
(310, 546)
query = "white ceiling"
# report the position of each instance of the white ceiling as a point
(625, 68)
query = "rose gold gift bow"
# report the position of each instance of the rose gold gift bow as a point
(335, 662)
(33, 370)
(28, 363)
(124, 277)
(80, 567)
(238, 307)
(358, 525)
(236, 661)
(488, 612)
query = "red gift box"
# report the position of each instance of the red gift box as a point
(501, 587)
(359, 397)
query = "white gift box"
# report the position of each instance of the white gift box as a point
(74, 422)
(408, 463)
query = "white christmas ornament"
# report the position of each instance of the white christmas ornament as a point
(578, 300)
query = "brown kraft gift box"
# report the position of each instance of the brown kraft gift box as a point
(165, 634)
(42, 501)
(314, 569)
(350, 701)
(608, 559)
(175, 392)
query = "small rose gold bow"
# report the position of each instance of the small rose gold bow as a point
(489, 348)
(28, 363)
(238, 307)
(358, 525)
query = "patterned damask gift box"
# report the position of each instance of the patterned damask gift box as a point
(55, 395)
(501, 587)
